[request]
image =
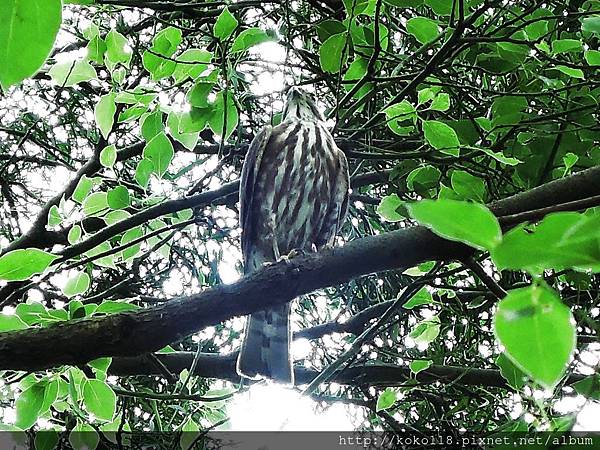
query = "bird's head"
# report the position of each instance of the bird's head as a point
(300, 105)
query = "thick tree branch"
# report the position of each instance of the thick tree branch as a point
(211, 365)
(134, 333)
(130, 334)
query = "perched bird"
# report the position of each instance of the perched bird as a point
(293, 197)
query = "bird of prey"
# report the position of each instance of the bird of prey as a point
(293, 197)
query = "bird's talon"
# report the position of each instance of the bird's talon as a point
(296, 252)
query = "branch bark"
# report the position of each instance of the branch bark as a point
(135, 333)
(211, 365)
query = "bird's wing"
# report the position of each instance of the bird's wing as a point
(344, 187)
(247, 187)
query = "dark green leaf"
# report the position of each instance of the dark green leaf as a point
(333, 52)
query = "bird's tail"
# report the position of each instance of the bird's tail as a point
(266, 348)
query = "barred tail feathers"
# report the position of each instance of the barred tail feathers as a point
(266, 348)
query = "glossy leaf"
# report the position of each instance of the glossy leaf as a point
(108, 156)
(225, 24)
(470, 223)
(159, 151)
(104, 112)
(537, 332)
(332, 53)
(77, 284)
(70, 73)
(22, 264)
(99, 399)
(27, 34)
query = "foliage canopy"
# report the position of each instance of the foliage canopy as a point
(118, 164)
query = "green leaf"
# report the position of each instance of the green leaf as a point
(27, 34)
(101, 364)
(129, 236)
(589, 387)
(46, 440)
(591, 24)
(561, 240)
(157, 60)
(499, 156)
(423, 29)
(166, 41)
(357, 7)
(217, 117)
(96, 49)
(417, 365)
(118, 197)
(197, 96)
(77, 284)
(468, 186)
(398, 113)
(104, 112)
(84, 437)
(224, 25)
(188, 140)
(442, 137)
(83, 188)
(117, 49)
(386, 400)
(95, 204)
(143, 172)
(74, 234)
(190, 431)
(251, 37)
(389, 206)
(54, 216)
(423, 178)
(356, 71)
(29, 405)
(511, 373)
(441, 102)
(184, 70)
(50, 395)
(22, 264)
(537, 332)
(570, 71)
(99, 399)
(108, 156)
(440, 7)
(116, 216)
(592, 57)
(11, 323)
(566, 46)
(70, 73)
(421, 297)
(471, 223)
(113, 307)
(159, 151)
(328, 28)
(151, 125)
(426, 331)
(332, 54)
